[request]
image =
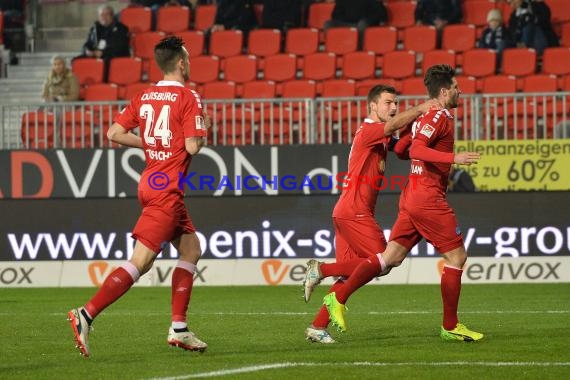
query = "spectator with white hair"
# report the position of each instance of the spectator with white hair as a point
(495, 36)
(61, 85)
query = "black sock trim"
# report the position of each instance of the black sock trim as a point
(185, 329)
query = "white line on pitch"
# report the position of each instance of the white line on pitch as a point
(263, 367)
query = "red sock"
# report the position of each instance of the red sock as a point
(340, 269)
(115, 285)
(322, 319)
(450, 290)
(182, 281)
(362, 274)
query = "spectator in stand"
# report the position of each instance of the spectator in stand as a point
(439, 13)
(61, 85)
(234, 14)
(358, 13)
(107, 38)
(530, 25)
(496, 36)
(282, 15)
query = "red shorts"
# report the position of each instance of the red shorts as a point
(437, 224)
(164, 218)
(358, 238)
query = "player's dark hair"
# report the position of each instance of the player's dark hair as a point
(377, 90)
(167, 53)
(438, 77)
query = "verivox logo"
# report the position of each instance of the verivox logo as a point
(276, 272)
(98, 271)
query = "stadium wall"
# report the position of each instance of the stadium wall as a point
(511, 237)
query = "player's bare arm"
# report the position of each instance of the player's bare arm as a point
(194, 144)
(405, 118)
(121, 136)
(466, 158)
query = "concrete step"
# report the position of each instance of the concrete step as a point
(26, 89)
(43, 59)
(19, 72)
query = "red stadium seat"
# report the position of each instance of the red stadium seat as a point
(475, 11)
(565, 38)
(101, 92)
(499, 84)
(413, 86)
(240, 69)
(559, 10)
(467, 85)
(280, 67)
(519, 61)
(125, 70)
(38, 129)
(420, 38)
(78, 129)
(364, 86)
(437, 57)
(401, 14)
(132, 89)
(172, 19)
(226, 43)
(479, 62)
(359, 65)
(555, 61)
(302, 41)
(380, 40)
(341, 41)
(88, 70)
(219, 90)
(539, 83)
(337, 88)
(458, 37)
(144, 44)
(299, 89)
(399, 64)
(259, 89)
(154, 73)
(319, 13)
(204, 17)
(204, 69)
(264, 42)
(319, 66)
(137, 19)
(193, 41)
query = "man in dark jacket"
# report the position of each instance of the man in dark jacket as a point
(530, 25)
(107, 38)
(358, 13)
(439, 13)
(234, 14)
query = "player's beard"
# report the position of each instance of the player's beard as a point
(186, 72)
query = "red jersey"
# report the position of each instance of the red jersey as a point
(167, 113)
(366, 163)
(435, 130)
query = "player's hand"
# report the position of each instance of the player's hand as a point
(466, 158)
(208, 123)
(428, 105)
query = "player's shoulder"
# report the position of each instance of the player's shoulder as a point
(437, 116)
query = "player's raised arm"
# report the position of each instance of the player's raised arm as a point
(122, 136)
(403, 119)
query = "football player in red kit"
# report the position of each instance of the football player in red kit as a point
(424, 211)
(358, 237)
(173, 129)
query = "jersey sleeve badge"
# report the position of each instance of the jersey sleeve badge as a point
(427, 130)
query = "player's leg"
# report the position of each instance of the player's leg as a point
(117, 283)
(366, 238)
(439, 227)
(346, 261)
(188, 247)
(317, 332)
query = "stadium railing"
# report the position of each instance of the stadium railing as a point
(286, 121)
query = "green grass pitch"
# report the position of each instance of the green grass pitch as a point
(257, 333)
